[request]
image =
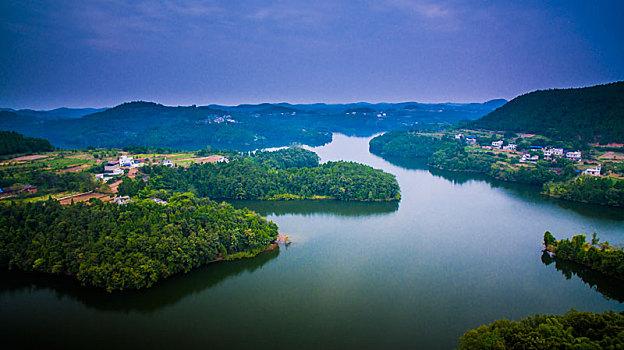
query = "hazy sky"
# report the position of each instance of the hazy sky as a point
(102, 53)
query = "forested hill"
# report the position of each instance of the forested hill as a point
(243, 127)
(590, 114)
(12, 143)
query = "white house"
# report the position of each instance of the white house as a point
(459, 136)
(471, 140)
(167, 162)
(126, 161)
(510, 147)
(109, 166)
(529, 158)
(576, 156)
(222, 159)
(557, 152)
(497, 144)
(593, 171)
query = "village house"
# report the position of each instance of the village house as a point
(593, 171)
(576, 156)
(110, 166)
(557, 152)
(459, 136)
(529, 158)
(497, 144)
(159, 201)
(222, 159)
(126, 161)
(121, 200)
(167, 162)
(510, 147)
(471, 140)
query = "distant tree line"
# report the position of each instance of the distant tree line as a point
(589, 189)
(14, 143)
(132, 246)
(574, 330)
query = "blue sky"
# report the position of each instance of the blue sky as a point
(102, 53)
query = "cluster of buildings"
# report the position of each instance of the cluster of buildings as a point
(112, 169)
(546, 153)
(549, 153)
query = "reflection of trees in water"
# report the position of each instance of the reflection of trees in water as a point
(309, 207)
(532, 194)
(164, 293)
(610, 288)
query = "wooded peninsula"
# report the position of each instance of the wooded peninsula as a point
(131, 246)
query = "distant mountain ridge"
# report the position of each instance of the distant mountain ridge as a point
(242, 127)
(58, 113)
(589, 114)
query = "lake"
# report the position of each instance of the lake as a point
(456, 252)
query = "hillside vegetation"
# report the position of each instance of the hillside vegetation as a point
(591, 114)
(285, 174)
(13, 143)
(132, 246)
(243, 127)
(574, 330)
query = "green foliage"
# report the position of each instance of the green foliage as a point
(591, 114)
(405, 144)
(48, 180)
(449, 154)
(598, 256)
(293, 157)
(13, 143)
(549, 239)
(574, 330)
(256, 178)
(130, 246)
(589, 189)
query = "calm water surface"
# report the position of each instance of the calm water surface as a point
(456, 252)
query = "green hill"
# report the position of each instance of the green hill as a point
(12, 143)
(590, 114)
(243, 127)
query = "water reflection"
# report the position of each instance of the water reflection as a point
(610, 288)
(307, 207)
(525, 192)
(165, 293)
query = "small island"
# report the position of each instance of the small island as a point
(595, 255)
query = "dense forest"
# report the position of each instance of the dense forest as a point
(292, 157)
(598, 256)
(591, 114)
(407, 144)
(589, 189)
(574, 330)
(13, 143)
(243, 128)
(132, 246)
(248, 179)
